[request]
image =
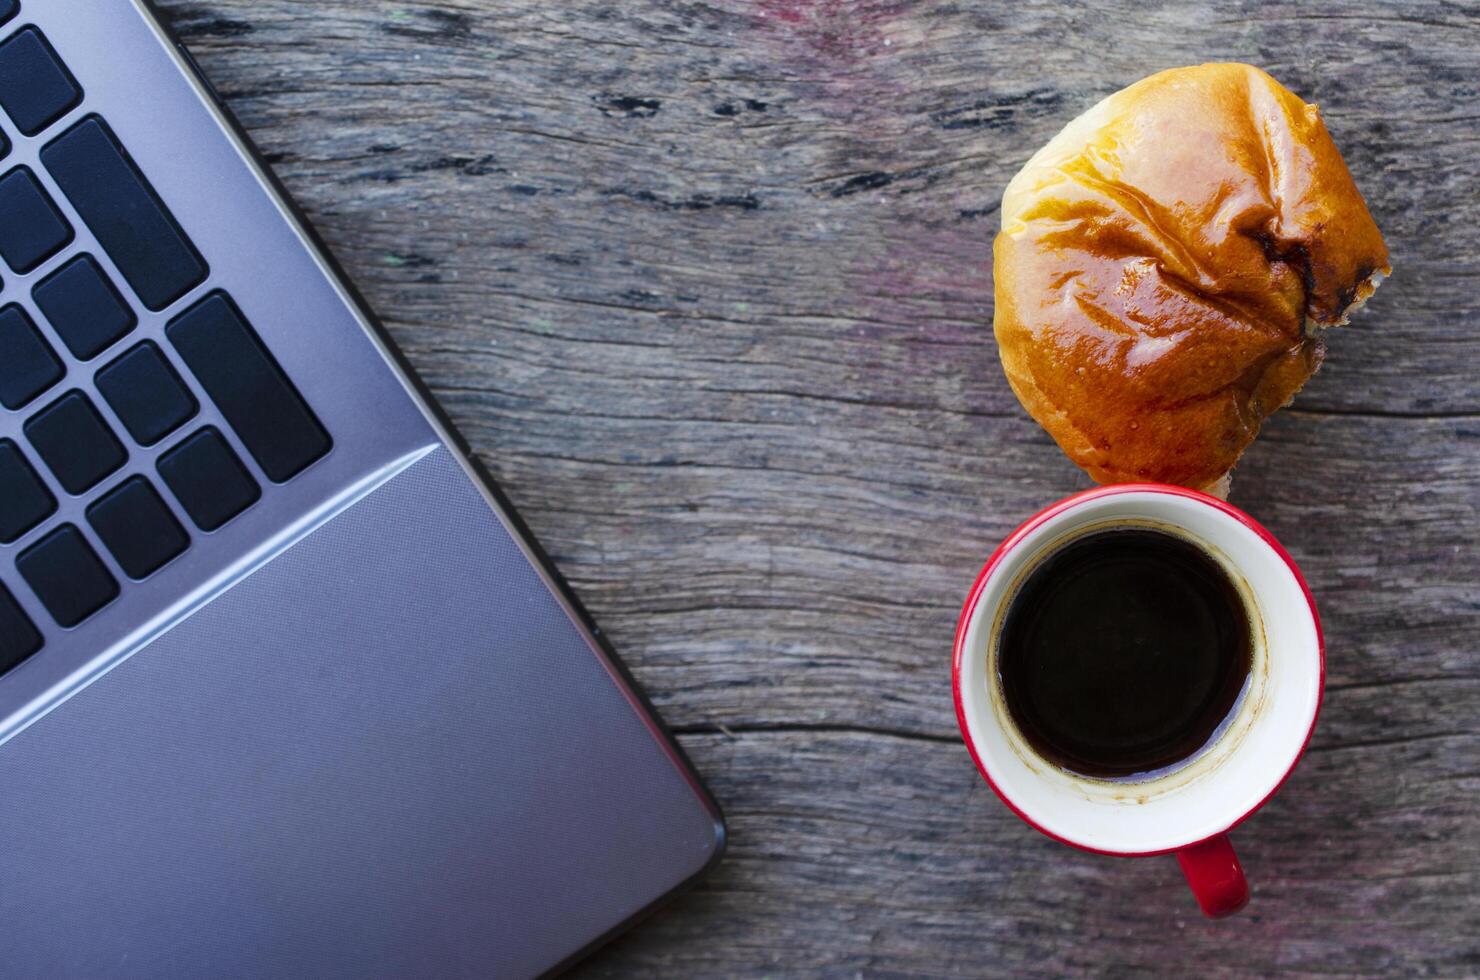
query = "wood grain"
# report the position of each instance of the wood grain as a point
(707, 286)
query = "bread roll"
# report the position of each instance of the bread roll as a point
(1165, 268)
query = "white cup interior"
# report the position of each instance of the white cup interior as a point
(1214, 790)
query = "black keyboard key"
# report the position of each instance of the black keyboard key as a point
(148, 396)
(32, 230)
(87, 312)
(74, 441)
(67, 576)
(36, 89)
(18, 636)
(27, 365)
(209, 481)
(248, 386)
(130, 221)
(4, 147)
(8, 9)
(24, 499)
(138, 528)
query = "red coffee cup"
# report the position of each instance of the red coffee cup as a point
(1188, 810)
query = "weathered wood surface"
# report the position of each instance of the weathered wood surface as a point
(707, 286)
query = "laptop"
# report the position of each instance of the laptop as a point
(286, 689)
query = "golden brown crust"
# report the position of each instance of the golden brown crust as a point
(1162, 264)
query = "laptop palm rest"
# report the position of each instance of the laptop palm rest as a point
(386, 752)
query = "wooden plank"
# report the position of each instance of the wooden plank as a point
(462, 153)
(855, 854)
(707, 285)
(829, 581)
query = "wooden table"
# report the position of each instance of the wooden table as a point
(707, 286)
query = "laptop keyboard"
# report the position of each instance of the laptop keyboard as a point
(80, 398)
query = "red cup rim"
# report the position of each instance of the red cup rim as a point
(1068, 503)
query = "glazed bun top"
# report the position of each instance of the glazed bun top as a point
(1164, 268)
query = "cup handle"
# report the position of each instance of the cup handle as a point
(1214, 875)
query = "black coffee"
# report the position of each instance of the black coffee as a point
(1123, 652)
